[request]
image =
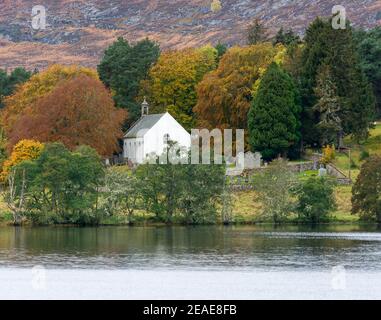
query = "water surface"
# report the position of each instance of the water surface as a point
(245, 262)
(193, 248)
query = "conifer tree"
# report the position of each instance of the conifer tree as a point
(335, 48)
(123, 67)
(273, 119)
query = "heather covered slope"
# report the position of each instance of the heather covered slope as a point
(78, 31)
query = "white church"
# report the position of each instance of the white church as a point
(149, 135)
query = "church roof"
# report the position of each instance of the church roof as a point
(146, 122)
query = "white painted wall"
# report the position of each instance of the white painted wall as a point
(133, 149)
(153, 139)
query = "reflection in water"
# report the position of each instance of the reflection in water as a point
(193, 248)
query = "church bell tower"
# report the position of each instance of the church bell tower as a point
(145, 107)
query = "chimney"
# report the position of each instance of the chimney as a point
(145, 107)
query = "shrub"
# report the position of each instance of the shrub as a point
(329, 154)
(315, 199)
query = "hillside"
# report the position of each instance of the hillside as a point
(78, 31)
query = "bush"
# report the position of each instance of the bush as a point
(274, 190)
(329, 154)
(315, 199)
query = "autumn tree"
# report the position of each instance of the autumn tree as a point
(366, 192)
(22, 151)
(225, 95)
(123, 67)
(173, 80)
(274, 117)
(38, 86)
(78, 111)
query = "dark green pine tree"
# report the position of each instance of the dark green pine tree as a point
(256, 32)
(328, 106)
(369, 47)
(288, 38)
(123, 67)
(274, 117)
(336, 49)
(8, 82)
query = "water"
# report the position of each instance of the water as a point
(215, 262)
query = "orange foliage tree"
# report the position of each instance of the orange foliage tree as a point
(22, 151)
(38, 86)
(224, 95)
(79, 111)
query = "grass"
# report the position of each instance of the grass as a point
(372, 145)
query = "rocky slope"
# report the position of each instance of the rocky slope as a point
(78, 31)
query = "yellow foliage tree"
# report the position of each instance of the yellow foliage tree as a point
(224, 95)
(279, 58)
(39, 85)
(329, 154)
(173, 80)
(22, 151)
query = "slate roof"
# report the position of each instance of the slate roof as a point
(144, 123)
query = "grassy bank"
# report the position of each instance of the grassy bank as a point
(247, 211)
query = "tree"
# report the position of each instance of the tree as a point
(224, 95)
(24, 150)
(38, 86)
(3, 148)
(189, 192)
(328, 107)
(273, 119)
(9, 82)
(221, 50)
(173, 80)
(63, 186)
(369, 47)
(123, 67)
(202, 189)
(325, 45)
(273, 189)
(366, 192)
(76, 112)
(122, 192)
(256, 32)
(288, 38)
(14, 196)
(316, 199)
